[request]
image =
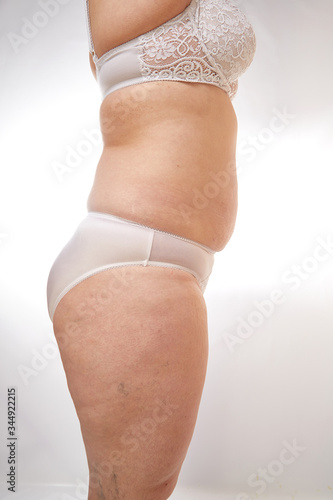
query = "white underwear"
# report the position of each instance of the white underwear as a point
(103, 241)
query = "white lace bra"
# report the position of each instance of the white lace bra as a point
(211, 42)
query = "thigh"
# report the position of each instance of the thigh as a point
(134, 347)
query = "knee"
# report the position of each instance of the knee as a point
(164, 490)
(147, 486)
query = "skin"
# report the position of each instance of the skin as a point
(133, 341)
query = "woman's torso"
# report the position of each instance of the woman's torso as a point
(169, 147)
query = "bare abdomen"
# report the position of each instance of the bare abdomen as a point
(169, 160)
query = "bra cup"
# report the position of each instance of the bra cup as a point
(228, 37)
(211, 41)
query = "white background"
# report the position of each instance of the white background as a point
(270, 373)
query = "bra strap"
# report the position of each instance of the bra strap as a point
(90, 40)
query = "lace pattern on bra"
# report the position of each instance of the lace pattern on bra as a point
(211, 41)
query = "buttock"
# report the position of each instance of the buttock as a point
(103, 241)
